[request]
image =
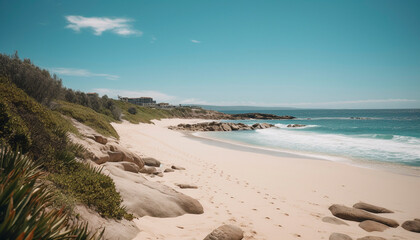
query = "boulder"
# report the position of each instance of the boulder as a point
(225, 127)
(358, 215)
(177, 167)
(115, 156)
(334, 220)
(371, 238)
(148, 198)
(151, 162)
(412, 226)
(295, 125)
(100, 139)
(371, 208)
(126, 166)
(339, 236)
(226, 232)
(371, 226)
(148, 170)
(182, 185)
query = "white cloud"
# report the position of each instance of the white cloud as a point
(82, 73)
(153, 39)
(195, 41)
(158, 96)
(99, 25)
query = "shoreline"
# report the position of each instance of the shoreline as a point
(362, 163)
(269, 197)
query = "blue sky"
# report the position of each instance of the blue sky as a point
(309, 54)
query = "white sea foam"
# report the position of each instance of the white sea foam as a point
(395, 149)
(279, 125)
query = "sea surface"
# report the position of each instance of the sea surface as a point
(377, 136)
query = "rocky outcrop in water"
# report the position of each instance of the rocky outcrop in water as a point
(219, 126)
(263, 116)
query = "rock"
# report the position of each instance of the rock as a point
(169, 170)
(371, 238)
(358, 215)
(219, 126)
(295, 125)
(259, 116)
(148, 170)
(371, 208)
(151, 162)
(177, 167)
(226, 232)
(339, 236)
(182, 185)
(100, 139)
(225, 127)
(159, 174)
(143, 197)
(412, 226)
(126, 166)
(115, 156)
(334, 220)
(371, 226)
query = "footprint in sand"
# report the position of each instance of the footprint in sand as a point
(267, 218)
(254, 209)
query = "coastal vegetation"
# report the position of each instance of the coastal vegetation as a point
(35, 120)
(32, 123)
(26, 204)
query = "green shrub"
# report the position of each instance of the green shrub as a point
(27, 124)
(91, 187)
(25, 204)
(132, 110)
(87, 116)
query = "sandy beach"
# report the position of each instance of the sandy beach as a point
(268, 196)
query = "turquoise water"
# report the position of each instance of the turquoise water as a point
(373, 135)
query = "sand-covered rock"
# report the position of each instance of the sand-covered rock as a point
(183, 185)
(358, 215)
(100, 139)
(226, 232)
(101, 149)
(169, 170)
(371, 208)
(371, 238)
(334, 220)
(412, 226)
(151, 162)
(339, 236)
(126, 166)
(177, 167)
(143, 197)
(372, 226)
(148, 170)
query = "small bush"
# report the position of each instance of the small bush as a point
(88, 185)
(132, 110)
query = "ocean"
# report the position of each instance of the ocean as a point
(377, 136)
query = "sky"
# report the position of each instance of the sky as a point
(305, 54)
